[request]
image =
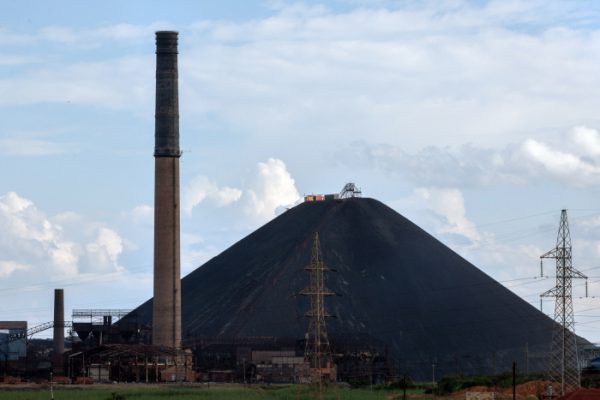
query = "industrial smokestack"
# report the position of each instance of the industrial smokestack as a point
(166, 325)
(59, 330)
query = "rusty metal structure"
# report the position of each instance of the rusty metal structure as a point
(564, 364)
(318, 350)
(166, 319)
(97, 326)
(28, 333)
(130, 363)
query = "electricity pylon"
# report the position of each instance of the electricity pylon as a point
(317, 350)
(564, 364)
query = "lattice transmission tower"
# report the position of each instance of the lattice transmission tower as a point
(317, 351)
(564, 364)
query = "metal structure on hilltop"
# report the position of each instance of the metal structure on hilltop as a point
(317, 349)
(564, 365)
(350, 190)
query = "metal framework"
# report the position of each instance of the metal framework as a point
(131, 362)
(350, 190)
(564, 366)
(317, 349)
(36, 329)
(91, 313)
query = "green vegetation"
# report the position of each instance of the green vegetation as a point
(221, 392)
(452, 384)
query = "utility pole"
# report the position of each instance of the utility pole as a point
(564, 365)
(317, 350)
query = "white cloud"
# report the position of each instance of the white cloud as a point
(318, 76)
(8, 267)
(201, 188)
(586, 141)
(103, 253)
(274, 187)
(447, 204)
(388, 72)
(142, 214)
(64, 246)
(575, 163)
(264, 190)
(68, 217)
(558, 164)
(269, 187)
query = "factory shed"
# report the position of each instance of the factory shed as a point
(129, 363)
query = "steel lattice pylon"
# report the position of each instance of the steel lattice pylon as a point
(317, 350)
(564, 365)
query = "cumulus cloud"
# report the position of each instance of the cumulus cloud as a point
(64, 246)
(201, 188)
(450, 205)
(273, 187)
(575, 161)
(264, 191)
(29, 236)
(103, 253)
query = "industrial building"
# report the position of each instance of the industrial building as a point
(11, 350)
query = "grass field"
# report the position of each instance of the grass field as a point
(135, 392)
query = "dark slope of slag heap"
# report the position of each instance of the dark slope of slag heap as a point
(398, 286)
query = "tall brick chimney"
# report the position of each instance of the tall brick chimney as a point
(166, 325)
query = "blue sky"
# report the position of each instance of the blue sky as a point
(477, 120)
